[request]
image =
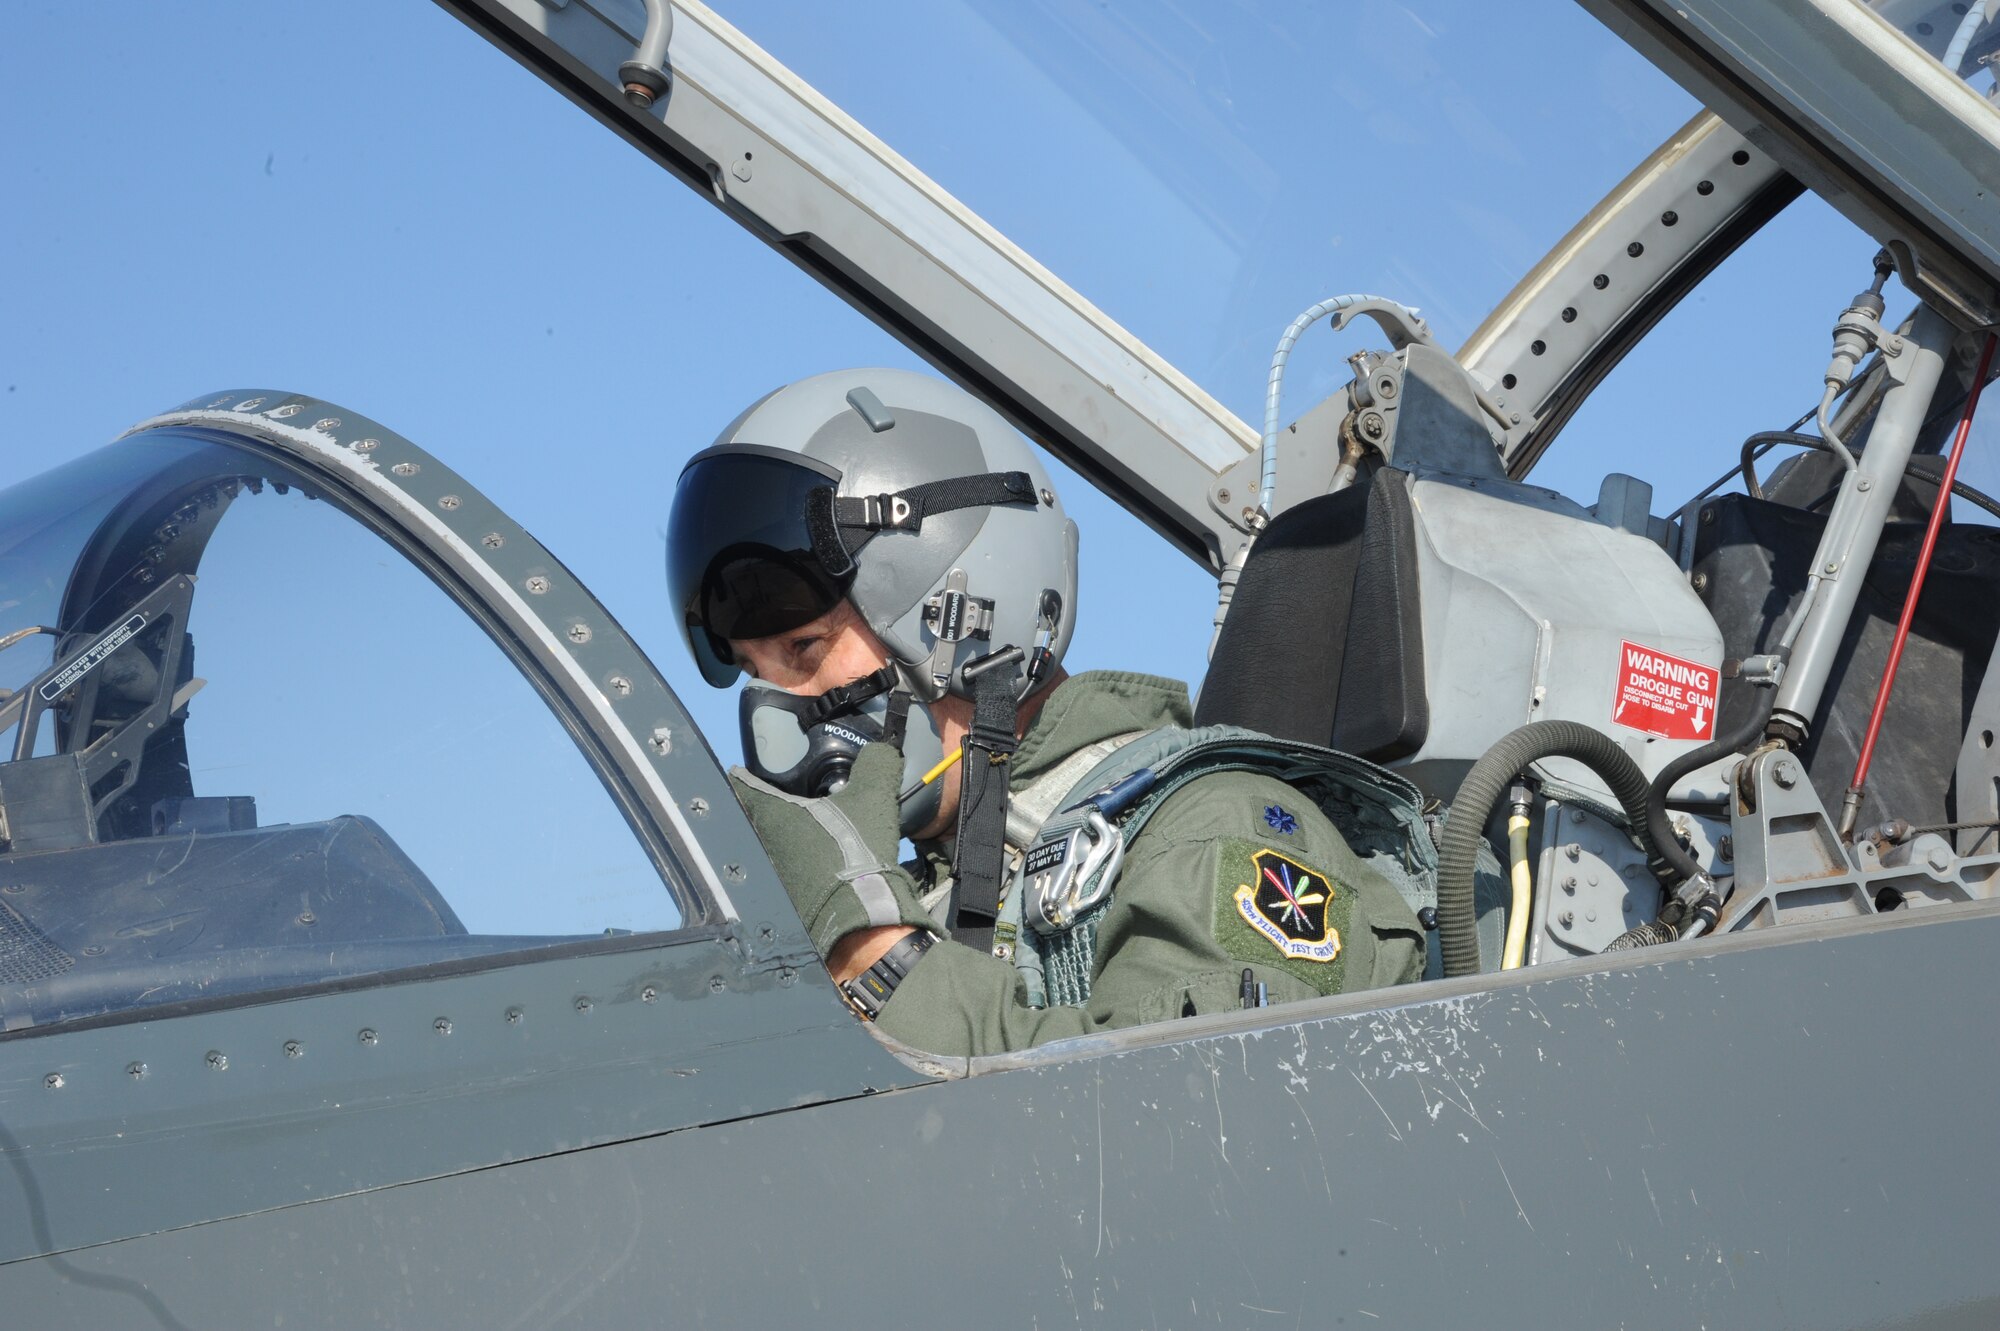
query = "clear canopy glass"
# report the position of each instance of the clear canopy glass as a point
(1203, 172)
(1960, 34)
(249, 745)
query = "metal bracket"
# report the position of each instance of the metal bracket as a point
(1765, 671)
(952, 616)
(889, 511)
(1415, 407)
(1591, 885)
(1978, 783)
(1791, 866)
(1443, 422)
(1308, 454)
(64, 795)
(1592, 882)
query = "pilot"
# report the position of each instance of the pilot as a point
(885, 559)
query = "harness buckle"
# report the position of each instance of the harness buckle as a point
(1067, 876)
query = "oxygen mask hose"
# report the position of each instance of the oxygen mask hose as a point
(1484, 786)
(1850, 808)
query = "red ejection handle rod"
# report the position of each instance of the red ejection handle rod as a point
(1860, 781)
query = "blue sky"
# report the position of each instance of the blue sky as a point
(368, 203)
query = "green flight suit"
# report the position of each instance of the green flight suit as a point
(1174, 941)
(1185, 919)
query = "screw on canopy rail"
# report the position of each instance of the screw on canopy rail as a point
(1850, 809)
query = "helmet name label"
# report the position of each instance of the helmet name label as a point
(951, 616)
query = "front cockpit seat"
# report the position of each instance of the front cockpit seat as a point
(1323, 642)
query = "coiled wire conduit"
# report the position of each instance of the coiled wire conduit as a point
(1274, 387)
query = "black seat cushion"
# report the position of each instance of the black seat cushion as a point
(1324, 642)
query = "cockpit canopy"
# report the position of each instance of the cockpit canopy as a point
(216, 778)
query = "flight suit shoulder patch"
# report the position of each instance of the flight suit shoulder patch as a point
(1274, 908)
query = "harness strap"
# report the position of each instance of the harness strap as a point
(841, 525)
(1378, 812)
(1030, 807)
(980, 851)
(896, 717)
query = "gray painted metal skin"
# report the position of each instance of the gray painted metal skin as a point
(1553, 1148)
(680, 1128)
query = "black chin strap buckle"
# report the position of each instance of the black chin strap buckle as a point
(844, 698)
(1047, 618)
(990, 681)
(877, 512)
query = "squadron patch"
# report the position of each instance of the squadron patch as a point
(1275, 908)
(1290, 906)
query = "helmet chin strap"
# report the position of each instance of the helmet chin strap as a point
(979, 858)
(844, 698)
(840, 525)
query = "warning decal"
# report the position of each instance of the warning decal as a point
(1664, 695)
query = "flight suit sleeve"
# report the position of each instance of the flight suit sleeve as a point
(836, 856)
(836, 859)
(1236, 871)
(960, 1002)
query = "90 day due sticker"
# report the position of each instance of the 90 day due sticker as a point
(1663, 695)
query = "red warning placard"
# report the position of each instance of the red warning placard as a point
(1664, 695)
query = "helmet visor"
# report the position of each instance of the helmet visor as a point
(740, 560)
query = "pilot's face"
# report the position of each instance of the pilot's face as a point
(835, 649)
(839, 648)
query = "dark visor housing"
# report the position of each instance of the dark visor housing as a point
(740, 557)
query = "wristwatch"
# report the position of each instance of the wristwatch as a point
(868, 993)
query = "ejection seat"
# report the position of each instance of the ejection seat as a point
(1323, 642)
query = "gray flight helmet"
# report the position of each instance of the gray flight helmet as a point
(880, 433)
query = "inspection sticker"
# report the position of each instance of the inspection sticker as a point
(1664, 695)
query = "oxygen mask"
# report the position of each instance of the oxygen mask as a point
(806, 744)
